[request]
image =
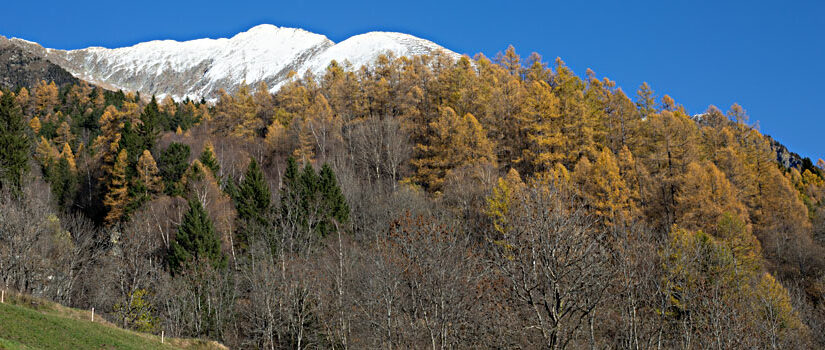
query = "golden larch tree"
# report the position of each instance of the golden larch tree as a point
(67, 154)
(45, 152)
(116, 197)
(45, 97)
(324, 127)
(603, 187)
(542, 129)
(35, 125)
(454, 141)
(64, 135)
(501, 199)
(147, 170)
(705, 195)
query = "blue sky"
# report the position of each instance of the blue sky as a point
(768, 56)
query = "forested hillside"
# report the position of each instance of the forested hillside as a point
(420, 202)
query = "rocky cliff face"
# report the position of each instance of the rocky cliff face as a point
(784, 156)
(200, 68)
(21, 68)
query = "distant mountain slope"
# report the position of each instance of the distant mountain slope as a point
(200, 68)
(19, 67)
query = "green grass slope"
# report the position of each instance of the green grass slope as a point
(27, 323)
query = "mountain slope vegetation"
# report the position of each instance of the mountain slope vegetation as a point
(418, 202)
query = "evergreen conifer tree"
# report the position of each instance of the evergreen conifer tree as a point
(208, 158)
(14, 144)
(333, 202)
(290, 193)
(253, 202)
(196, 240)
(148, 129)
(173, 164)
(63, 182)
(254, 198)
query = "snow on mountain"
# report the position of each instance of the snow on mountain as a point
(200, 68)
(362, 49)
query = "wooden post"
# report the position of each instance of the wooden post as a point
(161, 337)
(3, 296)
(93, 314)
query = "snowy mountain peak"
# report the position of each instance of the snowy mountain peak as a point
(268, 34)
(200, 68)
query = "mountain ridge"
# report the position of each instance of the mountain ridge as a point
(20, 68)
(202, 67)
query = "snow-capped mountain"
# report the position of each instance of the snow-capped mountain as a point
(199, 68)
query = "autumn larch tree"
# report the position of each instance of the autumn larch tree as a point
(705, 195)
(116, 198)
(148, 173)
(604, 188)
(454, 142)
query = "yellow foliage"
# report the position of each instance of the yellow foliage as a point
(35, 125)
(499, 202)
(168, 106)
(774, 302)
(453, 142)
(275, 135)
(810, 178)
(67, 154)
(148, 173)
(116, 197)
(543, 128)
(46, 153)
(111, 126)
(23, 98)
(64, 135)
(706, 195)
(45, 97)
(605, 190)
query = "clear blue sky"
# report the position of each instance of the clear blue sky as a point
(768, 56)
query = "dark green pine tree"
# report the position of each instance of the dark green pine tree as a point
(253, 201)
(133, 143)
(196, 241)
(14, 144)
(308, 190)
(172, 164)
(209, 160)
(254, 198)
(63, 182)
(333, 203)
(291, 192)
(148, 130)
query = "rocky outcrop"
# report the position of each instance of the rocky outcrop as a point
(21, 68)
(785, 157)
